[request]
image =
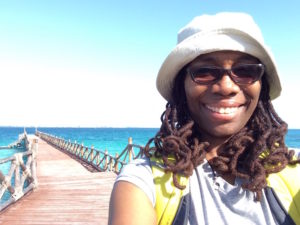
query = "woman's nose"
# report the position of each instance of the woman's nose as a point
(226, 86)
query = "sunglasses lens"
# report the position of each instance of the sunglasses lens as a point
(247, 74)
(241, 74)
(205, 75)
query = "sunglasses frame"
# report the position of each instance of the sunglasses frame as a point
(229, 72)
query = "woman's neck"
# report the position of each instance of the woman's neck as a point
(212, 152)
(215, 144)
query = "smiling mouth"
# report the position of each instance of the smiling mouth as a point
(222, 110)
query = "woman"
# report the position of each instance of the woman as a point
(220, 156)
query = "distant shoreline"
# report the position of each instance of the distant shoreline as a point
(104, 127)
(34, 127)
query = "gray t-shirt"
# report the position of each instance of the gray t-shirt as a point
(213, 200)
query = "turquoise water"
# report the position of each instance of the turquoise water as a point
(112, 139)
(9, 135)
(293, 138)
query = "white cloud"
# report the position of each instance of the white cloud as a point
(287, 105)
(39, 95)
(48, 93)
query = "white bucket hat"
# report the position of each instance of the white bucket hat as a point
(210, 33)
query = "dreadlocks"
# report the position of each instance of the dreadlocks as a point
(253, 153)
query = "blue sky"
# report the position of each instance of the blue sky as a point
(94, 63)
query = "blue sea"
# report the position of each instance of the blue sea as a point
(112, 139)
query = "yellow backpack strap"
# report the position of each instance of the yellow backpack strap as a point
(286, 185)
(167, 195)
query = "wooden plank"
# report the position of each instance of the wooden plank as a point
(67, 193)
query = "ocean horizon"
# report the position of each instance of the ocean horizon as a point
(112, 139)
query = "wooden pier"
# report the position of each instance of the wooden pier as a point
(67, 193)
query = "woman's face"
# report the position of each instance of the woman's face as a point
(223, 108)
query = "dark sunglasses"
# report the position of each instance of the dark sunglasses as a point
(243, 74)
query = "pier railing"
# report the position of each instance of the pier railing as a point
(97, 159)
(21, 177)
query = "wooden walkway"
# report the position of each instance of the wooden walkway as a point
(67, 193)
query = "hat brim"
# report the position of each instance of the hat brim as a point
(219, 40)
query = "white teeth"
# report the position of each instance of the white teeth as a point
(222, 110)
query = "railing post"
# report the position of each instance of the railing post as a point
(98, 158)
(61, 143)
(130, 148)
(34, 162)
(116, 162)
(78, 150)
(68, 145)
(18, 189)
(110, 163)
(85, 154)
(106, 160)
(81, 151)
(92, 154)
(17, 174)
(75, 147)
